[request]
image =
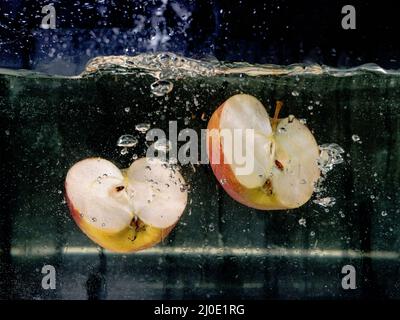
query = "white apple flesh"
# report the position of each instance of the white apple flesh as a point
(126, 210)
(284, 154)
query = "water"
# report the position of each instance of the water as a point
(50, 122)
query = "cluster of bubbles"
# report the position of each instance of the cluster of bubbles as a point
(331, 154)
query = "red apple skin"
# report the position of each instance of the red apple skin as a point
(121, 241)
(258, 198)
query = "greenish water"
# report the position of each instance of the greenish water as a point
(220, 248)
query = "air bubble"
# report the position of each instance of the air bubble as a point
(325, 202)
(303, 121)
(302, 222)
(142, 127)
(356, 138)
(163, 145)
(127, 141)
(161, 87)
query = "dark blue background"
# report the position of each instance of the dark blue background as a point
(274, 31)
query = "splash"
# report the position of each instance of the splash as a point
(167, 65)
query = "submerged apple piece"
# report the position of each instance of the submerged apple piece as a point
(126, 210)
(283, 155)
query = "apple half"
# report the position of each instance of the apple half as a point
(284, 155)
(128, 210)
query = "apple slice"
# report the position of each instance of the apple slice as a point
(126, 210)
(283, 155)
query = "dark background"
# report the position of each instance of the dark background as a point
(274, 31)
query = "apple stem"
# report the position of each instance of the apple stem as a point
(278, 107)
